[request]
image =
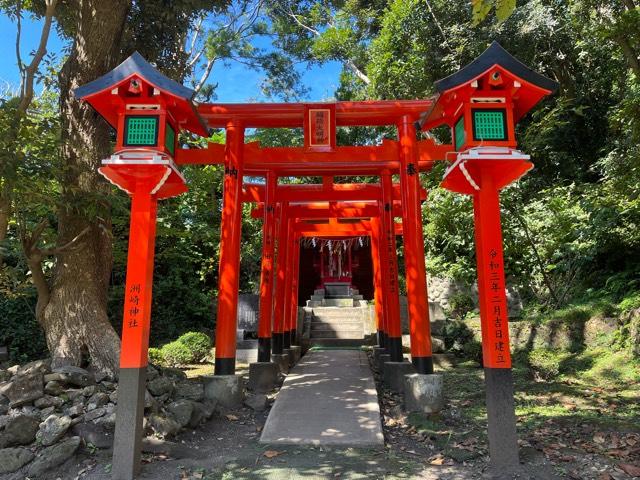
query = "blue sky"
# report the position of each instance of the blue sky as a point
(236, 82)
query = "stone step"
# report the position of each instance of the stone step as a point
(331, 320)
(343, 334)
(328, 327)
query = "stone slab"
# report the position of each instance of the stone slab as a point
(282, 361)
(329, 398)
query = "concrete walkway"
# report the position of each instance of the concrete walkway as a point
(328, 398)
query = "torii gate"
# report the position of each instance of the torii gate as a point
(481, 104)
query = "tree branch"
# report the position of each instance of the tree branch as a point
(29, 72)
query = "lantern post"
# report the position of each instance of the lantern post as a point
(148, 110)
(481, 104)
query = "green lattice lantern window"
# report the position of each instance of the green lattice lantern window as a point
(170, 138)
(459, 133)
(490, 125)
(141, 131)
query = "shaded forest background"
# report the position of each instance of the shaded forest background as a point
(571, 226)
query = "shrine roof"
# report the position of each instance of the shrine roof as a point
(495, 55)
(98, 93)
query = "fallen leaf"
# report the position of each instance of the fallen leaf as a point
(231, 418)
(272, 453)
(599, 437)
(605, 476)
(629, 469)
(438, 460)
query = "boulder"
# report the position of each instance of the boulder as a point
(75, 410)
(12, 459)
(5, 376)
(209, 407)
(53, 387)
(163, 426)
(75, 376)
(160, 386)
(53, 456)
(53, 377)
(44, 413)
(152, 373)
(90, 390)
(19, 430)
(181, 411)
(53, 429)
(24, 389)
(174, 373)
(191, 390)
(93, 434)
(4, 419)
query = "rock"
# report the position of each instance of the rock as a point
(152, 373)
(44, 414)
(24, 389)
(93, 434)
(174, 373)
(42, 366)
(13, 370)
(74, 410)
(257, 403)
(4, 419)
(101, 376)
(4, 409)
(12, 459)
(209, 407)
(108, 421)
(160, 386)
(181, 411)
(75, 376)
(53, 387)
(53, 456)
(90, 390)
(163, 426)
(94, 414)
(5, 376)
(198, 415)
(53, 429)
(53, 377)
(74, 395)
(20, 430)
(190, 390)
(437, 345)
(4, 400)
(98, 399)
(113, 396)
(48, 401)
(150, 402)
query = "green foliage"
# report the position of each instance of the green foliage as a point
(461, 304)
(155, 356)
(175, 354)
(20, 331)
(544, 364)
(198, 343)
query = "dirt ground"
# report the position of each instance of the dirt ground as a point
(566, 431)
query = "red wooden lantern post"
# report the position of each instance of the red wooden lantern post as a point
(482, 103)
(147, 110)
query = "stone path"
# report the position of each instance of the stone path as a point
(329, 398)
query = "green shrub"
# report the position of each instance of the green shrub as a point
(460, 304)
(544, 364)
(198, 344)
(176, 353)
(155, 356)
(473, 351)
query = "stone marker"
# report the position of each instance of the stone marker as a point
(282, 361)
(423, 393)
(263, 376)
(226, 389)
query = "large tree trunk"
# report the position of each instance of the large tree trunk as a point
(75, 316)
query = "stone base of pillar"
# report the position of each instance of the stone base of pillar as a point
(227, 390)
(394, 373)
(263, 376)
(377, 351)
(282, 361)
(501, 418)
(127, 445)
(382, 359)
(296, 352)
(423, 393)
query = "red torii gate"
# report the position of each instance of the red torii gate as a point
(481, 104)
